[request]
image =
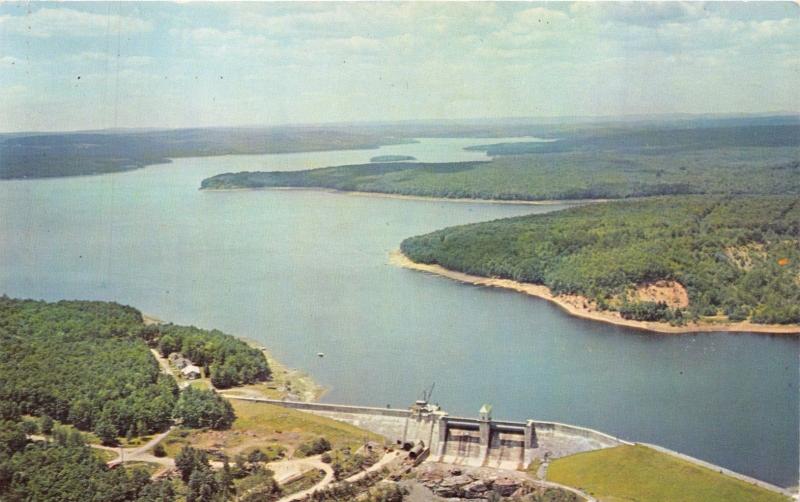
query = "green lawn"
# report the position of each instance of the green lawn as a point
(638, 473)
(266, 426)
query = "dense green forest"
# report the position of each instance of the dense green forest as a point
(88, 364)
(66, 470)
(228, 360)
(736, 256)
(82, 363)
(42, 155)
(601, 165)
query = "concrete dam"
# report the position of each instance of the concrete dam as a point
(425, 429)
(475, 442)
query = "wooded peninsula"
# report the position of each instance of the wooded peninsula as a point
(595, 164)
(667, 259)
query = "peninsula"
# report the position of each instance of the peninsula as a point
(601, 163)
(668, 264)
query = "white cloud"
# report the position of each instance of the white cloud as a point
(638, 12)
(9, 60)
(103, 57)
(223, 43)
(50, 22)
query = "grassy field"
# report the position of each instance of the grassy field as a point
(265, 426)
(638, 473)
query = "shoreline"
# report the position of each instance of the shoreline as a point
(576, 305)
(309, 390)
(382, 195)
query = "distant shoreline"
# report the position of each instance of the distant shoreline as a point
(355, 193)
(579, 306)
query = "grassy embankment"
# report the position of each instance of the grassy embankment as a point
(265, 427)
(692, 262)
(638, 473)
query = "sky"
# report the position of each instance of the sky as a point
(69, 66)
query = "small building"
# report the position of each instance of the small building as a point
(177, 360)
(191, 372)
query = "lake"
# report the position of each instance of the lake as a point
(307, 272)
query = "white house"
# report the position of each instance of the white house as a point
(191, 372)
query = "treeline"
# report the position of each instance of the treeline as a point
(228, 360)
(649, 140)
(599, 164)
(736, 256)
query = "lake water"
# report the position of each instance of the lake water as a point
(308, 272)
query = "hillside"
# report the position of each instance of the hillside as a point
(47, 155)
(666, 259)
(594, 164)
(642, 473)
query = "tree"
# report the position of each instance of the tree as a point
(159, 491)
(46, 424)
(202, 486)
(80, 414)
(227, 489)
(203, 408)
(189, 460)
(106, 431)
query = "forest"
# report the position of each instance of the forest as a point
(737, 257)
(88, 364)
(228, 360)
(80, 366)
(603, 164)
(66, 470)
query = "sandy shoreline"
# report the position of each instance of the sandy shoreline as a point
(579, 306)
(412, 197)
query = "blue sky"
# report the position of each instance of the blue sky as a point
(192, 64)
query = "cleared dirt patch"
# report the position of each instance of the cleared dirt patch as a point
(670, 292)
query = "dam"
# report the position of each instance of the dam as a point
(430, 433)
(476, 442)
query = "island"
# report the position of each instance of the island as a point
(392, 158)
(604, 163)
(669, 264)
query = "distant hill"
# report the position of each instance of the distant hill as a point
(601, 164)
(82, 153)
